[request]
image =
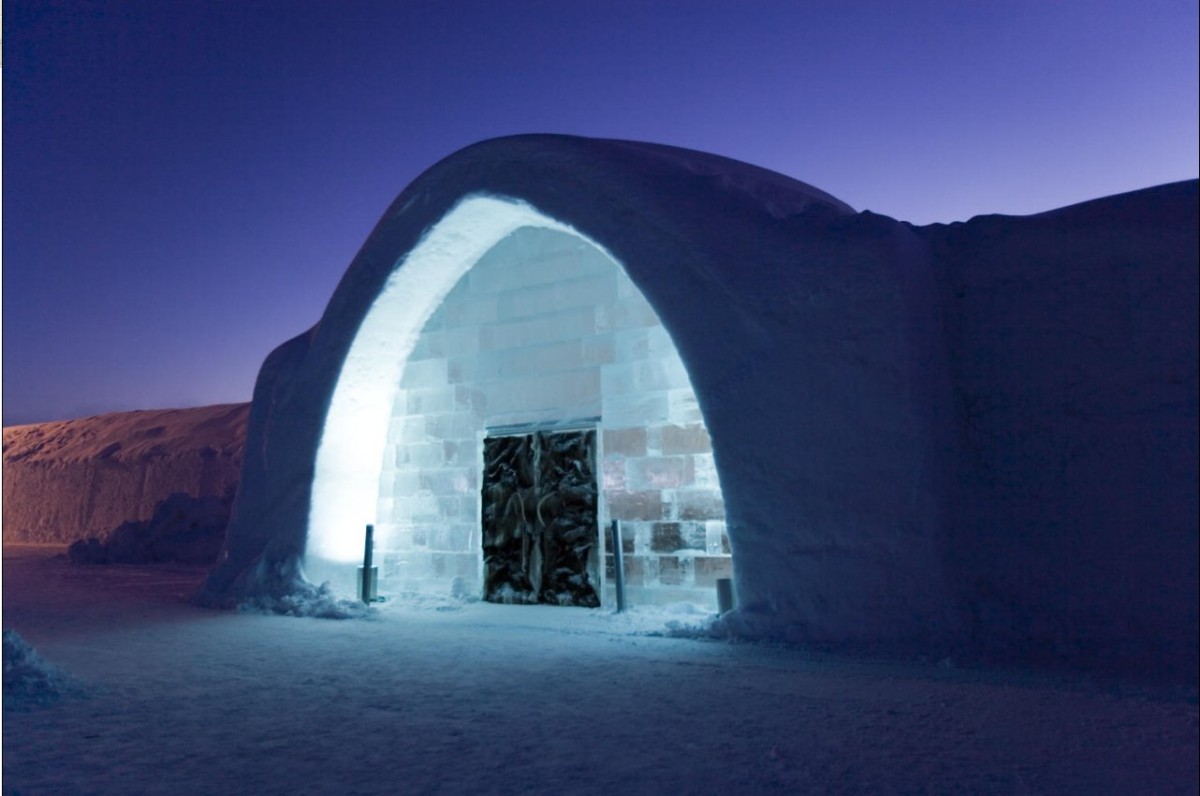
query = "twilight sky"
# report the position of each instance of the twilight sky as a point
(185, 182)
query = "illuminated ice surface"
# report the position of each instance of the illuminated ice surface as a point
(502, 318)
(548, 328)
(439, 697)
(354, 430)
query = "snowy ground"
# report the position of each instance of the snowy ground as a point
(446, 698)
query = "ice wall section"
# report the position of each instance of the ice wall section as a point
(547, 329)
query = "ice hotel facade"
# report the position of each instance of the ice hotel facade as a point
(971, 435)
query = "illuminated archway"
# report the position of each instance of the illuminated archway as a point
(810, 335)
(400, 446)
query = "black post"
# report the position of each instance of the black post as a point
(724, 595)
(367, 571)
(369, 548)
(618, 565)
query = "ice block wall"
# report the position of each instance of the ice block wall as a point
(547, 328)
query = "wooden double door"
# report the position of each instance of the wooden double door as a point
(540, 521)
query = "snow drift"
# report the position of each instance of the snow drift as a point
(74, 479)
(29, 681)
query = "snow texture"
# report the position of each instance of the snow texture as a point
(433, 695)
(318, 602)
(75, 479)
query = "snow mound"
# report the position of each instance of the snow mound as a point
(184, 529)
(317, 602)
(29, 681)
(71, 479)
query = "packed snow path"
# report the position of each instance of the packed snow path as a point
(477, 698)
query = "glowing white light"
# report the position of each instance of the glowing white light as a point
(350, 454)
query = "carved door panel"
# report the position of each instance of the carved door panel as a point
(540, 528)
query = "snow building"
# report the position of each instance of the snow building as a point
(980, 434)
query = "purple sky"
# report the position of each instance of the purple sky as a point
(184, 182)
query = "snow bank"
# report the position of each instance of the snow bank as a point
(72, 479)
(183, 530)
(304, 599)
(28, 680)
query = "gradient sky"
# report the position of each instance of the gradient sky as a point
(185, 182)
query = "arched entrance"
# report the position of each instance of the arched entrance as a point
(509, 346)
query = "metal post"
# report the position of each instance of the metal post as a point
(724, 595)
(367, 584)
(369, 548)
(618, 565)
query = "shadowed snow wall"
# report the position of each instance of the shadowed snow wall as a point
(1073, 340)
(73, 479)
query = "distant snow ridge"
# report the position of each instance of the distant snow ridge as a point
(28, 680)
(71, 479)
